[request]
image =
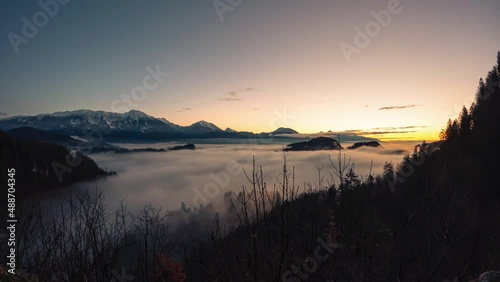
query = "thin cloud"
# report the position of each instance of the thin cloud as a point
(235, 95)
(183, 110)
(397, 107)
(255, 109)
(229, 99)
(397, 128)
(387, 130)
(3, 114)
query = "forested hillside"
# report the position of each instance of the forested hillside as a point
(44, 165)
(433, 217)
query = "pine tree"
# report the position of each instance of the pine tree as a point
(465, 124)
(498, 62)
(451, 132)
(388, 170)
(351, 179)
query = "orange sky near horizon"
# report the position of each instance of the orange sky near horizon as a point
(263, 65)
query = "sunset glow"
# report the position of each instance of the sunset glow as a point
(261, 60)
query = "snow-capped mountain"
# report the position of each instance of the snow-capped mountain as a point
(80, 121)
(230, 130)
(124, 127)
(202, 127)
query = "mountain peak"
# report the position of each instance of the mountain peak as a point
(204, 125)
(284, 130)
(136, 113)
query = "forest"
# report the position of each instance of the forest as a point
(432, 217)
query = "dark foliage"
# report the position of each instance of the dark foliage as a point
(189, 146)
(365, 143)
(318, 143)
(41, 166)
(434, 217)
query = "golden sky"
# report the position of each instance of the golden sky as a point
(262, 65)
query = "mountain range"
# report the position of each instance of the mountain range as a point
(132, 125)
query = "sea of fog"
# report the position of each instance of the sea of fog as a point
(166, 179)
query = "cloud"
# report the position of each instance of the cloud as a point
(183, 110)
(235, 95)
(229, 99)
(401, 127)
(169, 185)
(397, 107)
(387, 130)
(255, 109)
(3, 114)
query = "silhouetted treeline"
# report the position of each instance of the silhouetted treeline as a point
(41, 165)
(431, 218)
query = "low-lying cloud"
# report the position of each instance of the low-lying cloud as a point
(168, 179)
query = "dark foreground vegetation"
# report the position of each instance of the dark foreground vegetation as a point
(41, 165)
(434, 217)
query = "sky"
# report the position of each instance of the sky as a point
(252, 65)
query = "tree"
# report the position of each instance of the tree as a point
(465, 124)
(498, 63)
(351, 179)
(451, 131)
(389, 170)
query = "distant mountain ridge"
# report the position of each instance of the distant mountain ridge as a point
(133, 126)
(127, 125)
(75, 122)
